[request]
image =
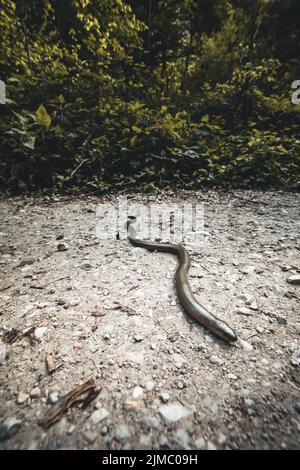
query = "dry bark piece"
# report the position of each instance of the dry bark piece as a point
(75, 395)
(51, 366)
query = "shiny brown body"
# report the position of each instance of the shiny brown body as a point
(185, 295)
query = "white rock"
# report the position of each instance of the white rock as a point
(215, 360)
(40, 332)
(165, 397)
(149, 386)
(98, 415)
(178, 360)
(245, 345)
(244, 311)
(9, 427)
(222, 439)
(174, 412)
(182, 438)
(294, 279)
(231, 376)
(22, 397)
(137, 393)
(200, 443)
(122, 433)
(53, 397)
(35, 392)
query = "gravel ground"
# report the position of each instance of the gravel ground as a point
(105, 310)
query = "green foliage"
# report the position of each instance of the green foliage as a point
(110, 94)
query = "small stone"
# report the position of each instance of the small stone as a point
(22, 397)
(90, 436)
(231, 376)
(253, 306)
(281, 320)
(151, 422)
(246, 269)
(295, 360)
(62, 247)
(294, 279)
(276, 365)
(137, 393)
(98, 415)
(53, 397)
(60, 302)
(178, 360)
(71, 429)
(248, 402)
(35, 392)
(210, 446)
(174, 412)
(132, 405)
(259, 329)
(182, 437)
(122, 433)
(104, 430)
(244, 311)
(215, 360)
(40, 332)
(138, 338)
(222, 439)
(149, 386)
(200, 443)
(9, 427)
(164, 396)
(245, 345)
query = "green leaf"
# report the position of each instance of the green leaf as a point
(43, 117)
(30, 142)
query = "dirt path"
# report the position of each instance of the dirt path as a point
(108, 311)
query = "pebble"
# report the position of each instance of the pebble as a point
(122, 433)
(182, 438)
(245, 345)
(178, 360)
(98, 415)
(151, 422)
(149, 386)
(231, 376)
(200, 443)
(244, 311)
(294, 279)
(90, 436)
(215, 360)
(137, 393)
(164, 396)
(22, 397)
(9, 427)
(132, 405)
(53, 397)
(138, 338)
(246, 269)
(71, 429)
(35, 392)
(174, 412)
(248, 402)
(222, 439)
(40, 332)
(281, 320)
(62, 247)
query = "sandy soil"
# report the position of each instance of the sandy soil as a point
(106, 310)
